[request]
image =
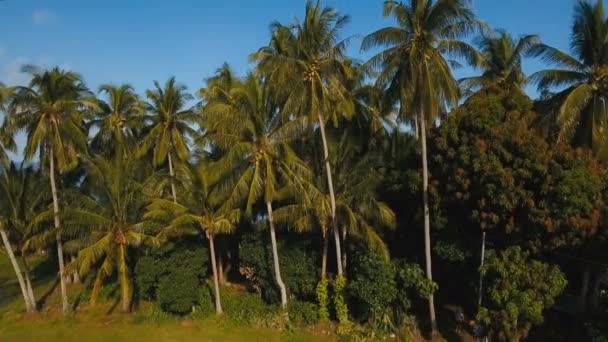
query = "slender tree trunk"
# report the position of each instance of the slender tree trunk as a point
(218, 302)
(324, 256)
(172, 174)
(582, 300)
(332, 195)
(9, 250)
(344, 254)
(125, 291)
(595, 292)
(96, 288)
(220, 269)
(275, 256)
(28, 282)
(64, 292)
(483, 253)
(76, 275)
(427, 218)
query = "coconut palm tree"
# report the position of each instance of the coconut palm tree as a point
(112, 210)
(414, 70)
(51, 111)
(500, 61)
(116, 123)
(171, 126)
(258, 160)
(6, 137)
(23, 207)
(197, 212)
(581, 115)
(305, 62)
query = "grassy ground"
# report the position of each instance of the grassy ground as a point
(104, 324)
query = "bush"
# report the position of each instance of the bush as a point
(297, 261)
(206, 302)
(178, 292)
(244, 307)
(372, 287)
(303, 312)
(185, 257)
(411, 281)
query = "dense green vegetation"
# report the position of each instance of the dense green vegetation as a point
(368, 200)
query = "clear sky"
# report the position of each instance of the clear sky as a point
(138, 41)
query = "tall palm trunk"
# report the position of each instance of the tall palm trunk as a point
(275, 256)
(332, 195)
(64, 292)
(483, 254)
(28, 282)
(172, 174)
(123, 274)
(218, 302)
(30, 307)
(427, 218)
(324, 256)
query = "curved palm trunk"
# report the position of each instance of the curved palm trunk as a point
(483, 254)
(172, 174)
(427, 219)
(96, 288)
(9, 250)
(275, 256)
(64, 292)
(125, 290)
(218, 302)
(332, 195)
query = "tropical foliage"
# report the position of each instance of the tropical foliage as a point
(311, 181)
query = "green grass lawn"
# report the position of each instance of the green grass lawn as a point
(103, 324)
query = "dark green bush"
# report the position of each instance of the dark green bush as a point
(303, 312)
(244, 307)
(297, 260)
(185, 257)
(206, 302)
(371, 287)
(411, 281)
(178, 292)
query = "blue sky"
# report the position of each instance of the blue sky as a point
(138, 41)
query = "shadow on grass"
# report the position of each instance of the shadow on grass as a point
(45, 296)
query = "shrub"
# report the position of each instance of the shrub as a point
(297, 261)
(185, 257)
(518, 290)
(303, 312)
(323, 299)
(178, 292)
(372, 287)
(244, 307)
(410, 281)
(206, 302)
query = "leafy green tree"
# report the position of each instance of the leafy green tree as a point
(171, 126)
(519, 290)
(51, 111)
(500, 61)
(121, 114)
(305, 63)
(112, 210)
(414, 71)
(580, 115)
(6, 137)
(23, 207)
(198, 211)
(258, 161)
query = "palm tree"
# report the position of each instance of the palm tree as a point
(171, 126)
(258, 159)
(198, 212)
(500, 61)
(118, 119)
(51, 111)
(305, 62)
(581, 113)
(22, 208)
(112, 210)
(413, 70)
(6, 137)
